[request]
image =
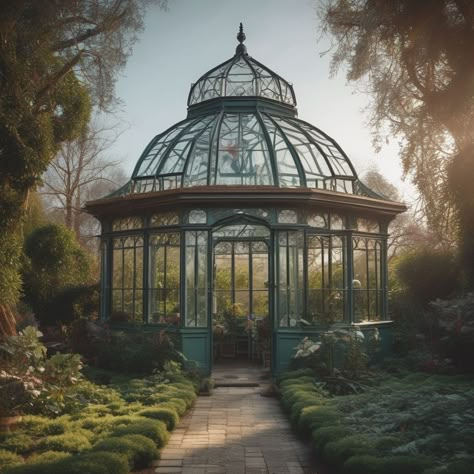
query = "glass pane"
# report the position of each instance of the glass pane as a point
(197, 217)
(127, 223)
(288, 216)
(196, 279)
(290, 278)
(164, 278)
(164, 219)
(287, 171)
(320, 220)
(243, 157)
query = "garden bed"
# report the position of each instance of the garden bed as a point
(112, 428)
(417, 423)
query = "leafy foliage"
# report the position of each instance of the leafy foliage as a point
(56, 59)
(56, 262)
(406, 424)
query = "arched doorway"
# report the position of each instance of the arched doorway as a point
(241, 293)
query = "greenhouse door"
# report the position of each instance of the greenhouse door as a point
(240, 299)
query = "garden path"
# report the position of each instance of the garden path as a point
(235, 431)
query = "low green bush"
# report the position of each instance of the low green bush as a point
(168, 415)
(140, 451)
(460, 467)
(176, 403)
(17, 442)
(153, 429)
(97, 462)
(96, 424)
(74, 442)
(8, 458)
(47, 457)
(337, 452)
(308, 418)
(322, 436)
(318, 417)
(295, 374)
(368, 464)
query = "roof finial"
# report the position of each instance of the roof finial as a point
(241, 48)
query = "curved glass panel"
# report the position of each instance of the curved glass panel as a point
(149, 163)
(241, 76)
(288, 174)
(243, 156)
(338, 162)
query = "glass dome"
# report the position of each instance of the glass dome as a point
(246, 148)
(242, 130)
(241, 76)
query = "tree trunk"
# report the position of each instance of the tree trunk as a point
(77, 214)
(7, 322)
(68, 217)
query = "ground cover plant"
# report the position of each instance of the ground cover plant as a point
(416, 423)
(113, 428)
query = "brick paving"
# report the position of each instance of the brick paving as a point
(235, 431)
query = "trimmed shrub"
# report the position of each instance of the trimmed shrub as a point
(97, 462)
(168, 415)
(367, 464)
(17, 442)
(337, 452)
(176, 404)
(460, 467)
(8, 458)
(153, 429)
(47, 457)
(319, 416)
(70, 442)
(306, 418)
(322, 436)
(140, 451)
(96, 424)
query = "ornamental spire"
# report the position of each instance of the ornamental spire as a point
(241, 48)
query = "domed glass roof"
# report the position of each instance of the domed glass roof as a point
(241, 76)
(242, 130)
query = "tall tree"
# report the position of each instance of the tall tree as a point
(76, 171)
(56, 57)
(414, 58)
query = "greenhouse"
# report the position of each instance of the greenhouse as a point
(244, 228)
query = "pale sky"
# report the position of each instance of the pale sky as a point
(179, 45)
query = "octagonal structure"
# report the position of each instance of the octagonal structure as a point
(244, 228)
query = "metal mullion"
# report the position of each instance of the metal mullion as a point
(305, 275)
(232, 272)
(196, 277)
(216, 133)
(134, 284)
(376, 278)
(250, 268)
(123, 278)
(367, 269)
(288, 288)
(323, 286)
(293, 152)
(165, 282)
(270, 149)
(313, 141)
(173, 143)
(193, 146)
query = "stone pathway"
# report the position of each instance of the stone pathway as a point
(235, 431)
